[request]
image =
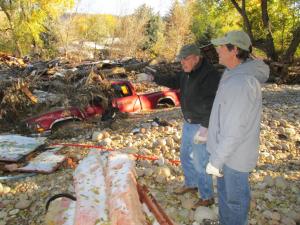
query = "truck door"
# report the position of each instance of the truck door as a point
(124, 100)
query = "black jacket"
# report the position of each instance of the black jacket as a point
(197, 91)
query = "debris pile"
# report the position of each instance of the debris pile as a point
(32, 88)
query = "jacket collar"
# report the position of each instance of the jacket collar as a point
(199, 64)
(198, 67)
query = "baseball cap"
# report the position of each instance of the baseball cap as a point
(186, 50)
(235, 37)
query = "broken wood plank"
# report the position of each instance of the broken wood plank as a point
(28, 93)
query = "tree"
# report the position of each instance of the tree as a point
(152, 32)
(273, 26)
(266, 42)
(178, 32)
(26, 20)
(131, 30)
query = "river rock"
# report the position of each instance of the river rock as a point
(107, 141)
(6, 190)
(290, 132)
(187, 203)
(170, 142)
(148, 172)
(202, 213)
(164, 171)
(285, 147)
(271, 215)
(23, 204)
(288, 221)
(97, 136)
(268, 180)
(280, 182)
(140, 171)
(160, 179)
(293, 215)
(14, 212)
(3, 214)
(130, 150)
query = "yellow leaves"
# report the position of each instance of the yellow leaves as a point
(28, 19)
(94, 26)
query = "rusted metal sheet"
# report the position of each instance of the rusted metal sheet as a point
(147, 198)
(46, 162)
(15, 147)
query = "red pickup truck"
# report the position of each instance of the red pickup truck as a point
(125, 100)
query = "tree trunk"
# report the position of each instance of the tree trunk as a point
(246, 20)
(18, 51)
(293, 46)
(266, 44)
(270, 48)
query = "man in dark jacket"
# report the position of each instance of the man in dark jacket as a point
(198, 84)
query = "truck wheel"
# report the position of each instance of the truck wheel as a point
(64, 125)
(165, 103)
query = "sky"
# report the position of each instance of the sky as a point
(121, 7)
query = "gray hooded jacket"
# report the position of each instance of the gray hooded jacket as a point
(234, 125)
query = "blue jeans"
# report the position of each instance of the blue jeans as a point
(194, 158)
(234, 197)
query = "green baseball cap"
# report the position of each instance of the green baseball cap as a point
(235, 37)
(187, 50)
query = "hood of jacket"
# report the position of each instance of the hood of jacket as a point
(252, 67)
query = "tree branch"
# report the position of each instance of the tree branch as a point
(246, 20)
(293, 45)
(267, 27)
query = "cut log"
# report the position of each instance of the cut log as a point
(90, 190)
(61, 212)
(123, 201)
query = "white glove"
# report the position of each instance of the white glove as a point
(144, 77)
(210, 169)
(200, 136)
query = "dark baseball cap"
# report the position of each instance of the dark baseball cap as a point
(187, 50)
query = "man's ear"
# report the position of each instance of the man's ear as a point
(199, 58)
(235, 49)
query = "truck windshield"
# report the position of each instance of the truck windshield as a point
(121, 90)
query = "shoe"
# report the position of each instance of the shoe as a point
(184, 189)
(210, 222)
(202, 202)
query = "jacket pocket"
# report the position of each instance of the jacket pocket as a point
(218, 131)
(219, 119)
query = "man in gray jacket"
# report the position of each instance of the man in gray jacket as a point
(234, 125)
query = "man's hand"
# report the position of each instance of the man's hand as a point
(210, 169)
(144, 77)
(200, 136)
